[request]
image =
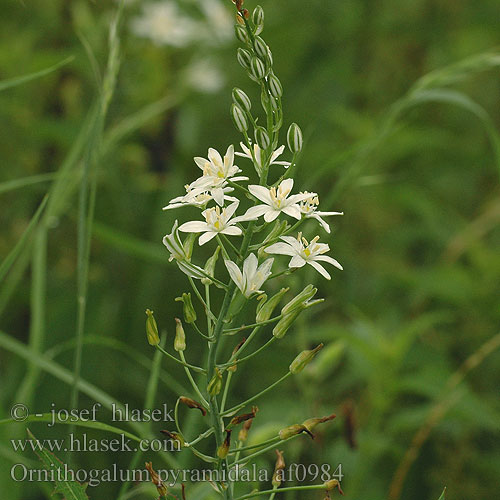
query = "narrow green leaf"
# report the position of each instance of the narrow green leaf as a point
(443, 495)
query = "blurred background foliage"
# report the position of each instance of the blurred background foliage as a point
(399, 104)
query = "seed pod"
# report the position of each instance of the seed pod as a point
(180, 336)
(303, 359)
(152, 329)
(266, 309)
(257, 68)
(258, 19)
(299, 301)
(241, 99)
(275, 86)
(311, 423)
(215, 384)
(241, 32)
(293, 430)
(242, 418)
(155, 479)
(191, 403)
(294, 138)
(278, 470)
(239, 118)
(260, 48)
(177, 439)
(187, 307)
(262, 138)
(223, 449)
(244, 57)
(243, 434)
(210, 267)
(283, 325)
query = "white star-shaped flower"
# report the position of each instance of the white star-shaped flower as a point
(257, 154)
(309, 207)
(253, 276)
(197, 197)
(303, 253)
(216, 221)
(216, 173)
(276, 200)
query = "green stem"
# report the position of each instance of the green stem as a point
(203, 401)
(245, 448)
(260, 452)
(246, 327)
(200, 298)
(183, 362)
(226, 390)
(289, 488)
(261, 348)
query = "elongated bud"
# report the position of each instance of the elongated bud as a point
(187, 307)
(278, 469)
(311, 423)
(241, 99)
(293, 430)
(152, 329)
(284, 324)
(223, 449)
(275, 86)
(180, 336)
(242, 418)
(244, 57)
(294, 138)
(257, 68)
(234, 367)
(299, 301)
(210, 267)
(215, 384)
(177, 439)
(262, 138)
(332, 484)
(266, 309)
(303, 359)
(243, 434)
(191, 403)
(241, 33)
(155, 479)
(239, 118)
(258, 19)
(260, 47)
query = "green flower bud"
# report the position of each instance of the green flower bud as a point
(265, 309)
(275, 86)
(152, 329)
(294, 138)
(260, 48)
(239, 118)
(300, 301)
(285, 323)
(223, 449)
(262, 137)
(180, 336)
(188, 245)
(242, 100)
(215, 384)
(257, 68)
(303, 359)
(210, 267)
(241, 33)
(293, 430)
(188, 308)
(244, 57)
(258, 19)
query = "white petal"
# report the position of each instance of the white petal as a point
(252, 213)
(293, 242)
(229, 211)
(194, 227)
(295, 198)
(330, 260)
(321, 270)
(297, 261)
(201, 162)
(277, 153)
(261, 193)
(250, 266)
(229, 157)
(287, 185)
(329, 213)
(271, 215)
(206, 237)
(235, 273)
(293, 211)
(218, 195)
(215, 157)
(323, 223)
(232, 231)
(280, 249)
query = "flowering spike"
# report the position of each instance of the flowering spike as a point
(303, 359)
(180, 336)
(152, 329)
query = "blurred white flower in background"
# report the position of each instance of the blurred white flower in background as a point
(203, 75)
(219, 22)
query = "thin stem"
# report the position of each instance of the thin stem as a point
(260, 452)
(203, 401)
(199, 332)
(253, 398)
(288, 488)
(202, 436)
(183, 362)
(226, 390)
(259, 445)
(261, 348)
(246, 327)
(209, 320)
(233, 248)
(200, 298)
